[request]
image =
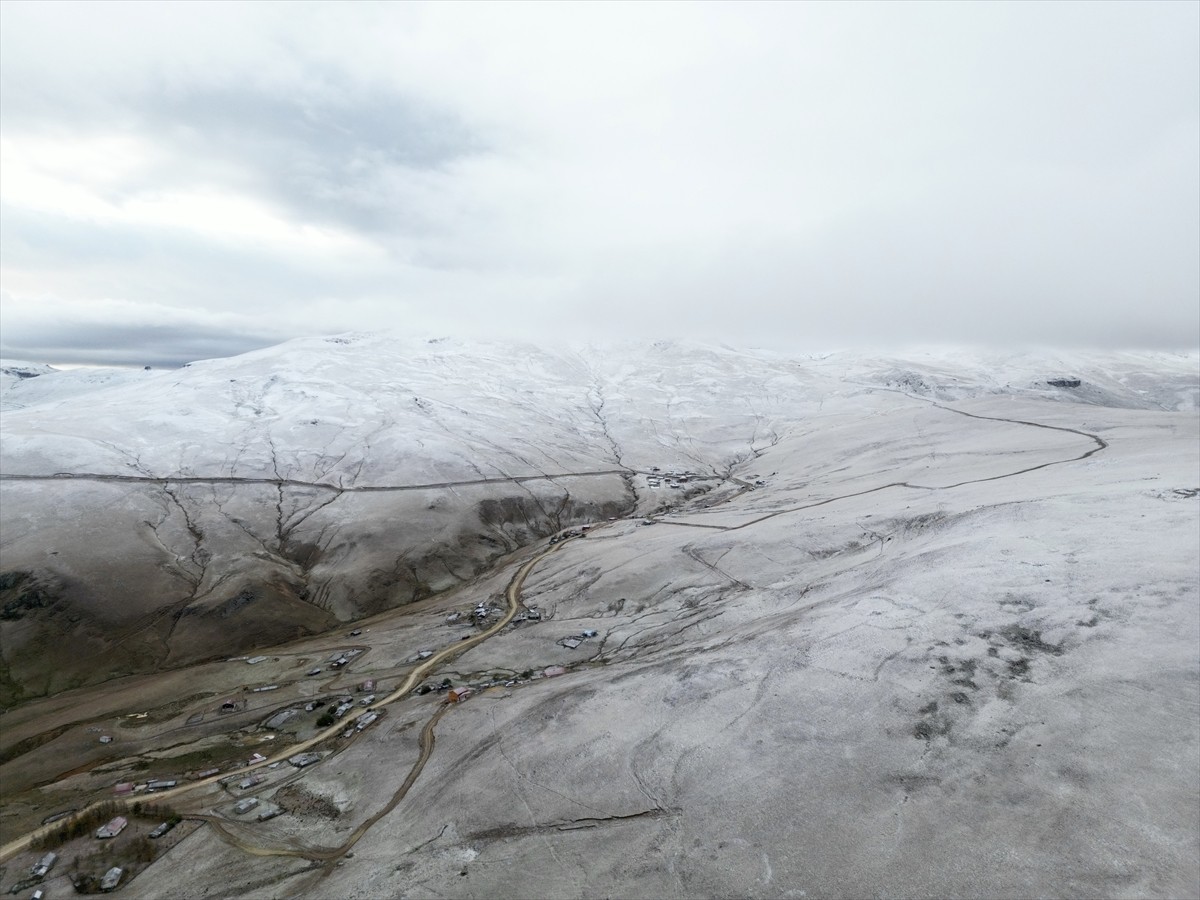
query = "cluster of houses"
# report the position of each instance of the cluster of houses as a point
(341, 657)
(485, 610)
(674, 478)
(458, 694)
(246, 804)
(531, 614)
(124, 788)
(581, 531)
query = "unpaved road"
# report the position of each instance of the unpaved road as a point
(419, 672)
(513, 596)
(289, 482)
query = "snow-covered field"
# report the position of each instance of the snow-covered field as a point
(920, 627)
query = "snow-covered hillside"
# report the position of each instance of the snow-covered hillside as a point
(30, 384)
(229, 503)
(844, 626)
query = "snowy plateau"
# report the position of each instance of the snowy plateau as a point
(734, 623)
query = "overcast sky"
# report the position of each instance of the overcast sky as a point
(195, 180)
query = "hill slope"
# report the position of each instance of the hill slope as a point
(919, 627)
(240, 502)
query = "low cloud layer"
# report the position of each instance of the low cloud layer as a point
(195, 180)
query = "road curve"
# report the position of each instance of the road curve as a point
(512, 595)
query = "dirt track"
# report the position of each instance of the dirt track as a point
(512, 595)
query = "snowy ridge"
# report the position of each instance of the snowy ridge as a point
(25, 384)
(358, 409)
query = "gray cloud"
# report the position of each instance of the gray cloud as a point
(127, 334)
(157, 345)
(849, 174)
(326, 151)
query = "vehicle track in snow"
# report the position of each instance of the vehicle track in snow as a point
(1101, 444)
(291, 482)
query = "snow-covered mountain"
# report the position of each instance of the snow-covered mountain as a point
(236, 502)
(29, 384)
(921, 626)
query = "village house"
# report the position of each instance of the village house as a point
(112, 828)
(111, 879)
(160, 830)
(43, 865)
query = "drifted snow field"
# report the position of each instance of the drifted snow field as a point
(925, 627)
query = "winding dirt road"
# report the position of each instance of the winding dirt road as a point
(419, 672)
(513, 596)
